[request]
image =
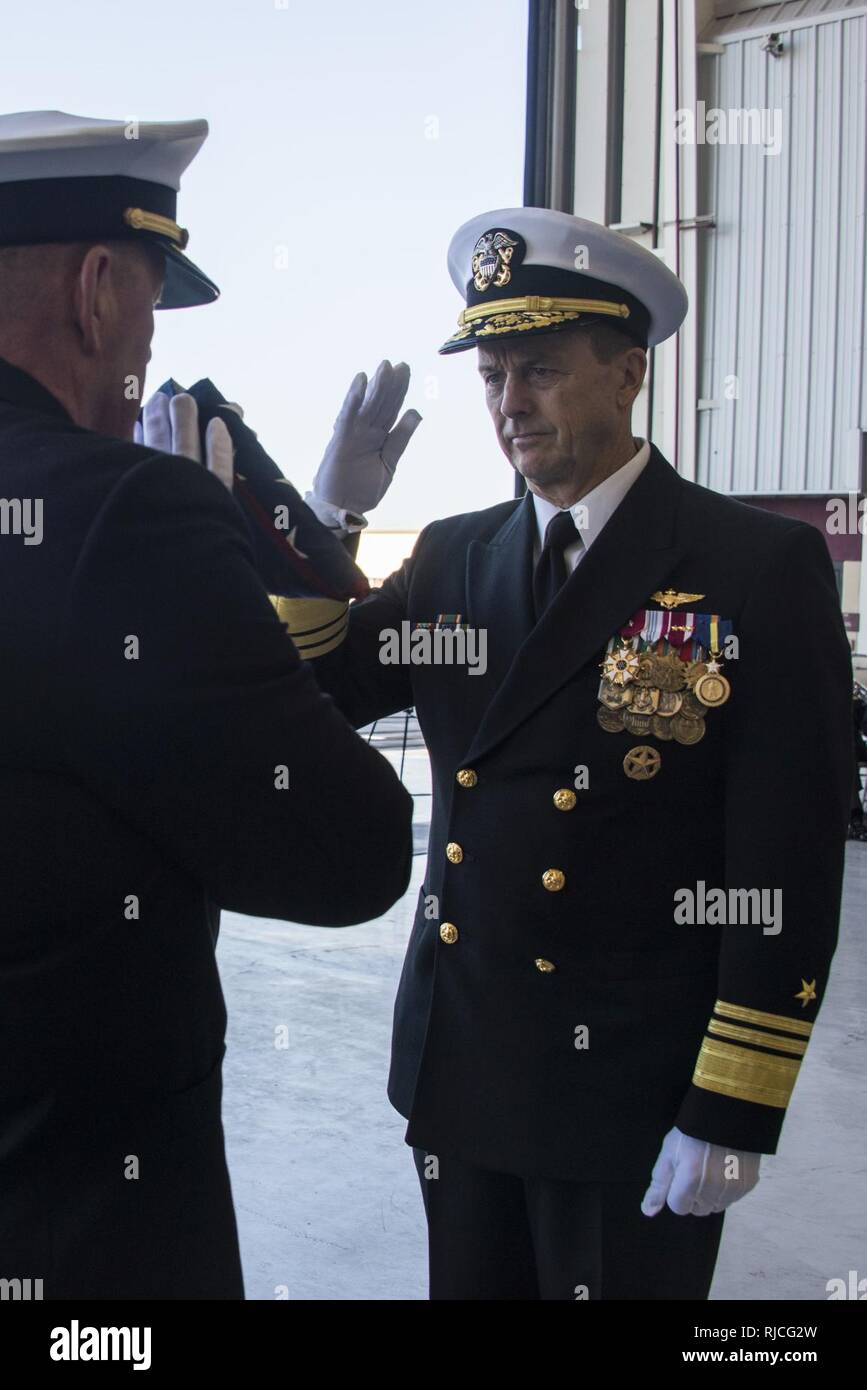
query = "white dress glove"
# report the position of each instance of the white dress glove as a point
(359, 463)
(171, 424)
(691, 1176)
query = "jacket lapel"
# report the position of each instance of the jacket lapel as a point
(630, 558)
(499, 583)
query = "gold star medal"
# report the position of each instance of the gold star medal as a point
(642, 763)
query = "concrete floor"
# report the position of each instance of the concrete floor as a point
(326, 1193)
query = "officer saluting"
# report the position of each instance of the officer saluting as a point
(621, 945)
(165, 751)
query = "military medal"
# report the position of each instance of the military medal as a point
(694, 672)
(611, 720)
(690, 705)
(649, 687)
(615, 696)
(670, 703)
(645, 699)
(621, 666)
(642, 763)
(711, 687)
(636, 723)
(666, 672)
(660, 727)
(686, 729)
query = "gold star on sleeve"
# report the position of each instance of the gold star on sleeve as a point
(807, 993)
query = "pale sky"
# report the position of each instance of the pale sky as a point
(320, 119)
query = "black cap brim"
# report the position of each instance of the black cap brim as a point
(185, 285)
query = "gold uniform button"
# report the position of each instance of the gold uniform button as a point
(553, 880)
(448, 933)
(454, 853)
(467, 777)
(545, 966)
(564, 799)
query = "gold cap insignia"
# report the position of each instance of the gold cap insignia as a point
(672, 598)
(492, 254)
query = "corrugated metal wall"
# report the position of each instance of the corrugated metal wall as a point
(783, 272)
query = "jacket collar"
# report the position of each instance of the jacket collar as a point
(632, 556)
(19, 388)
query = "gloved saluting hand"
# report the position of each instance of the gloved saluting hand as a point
(359, 463)
(690, 1175)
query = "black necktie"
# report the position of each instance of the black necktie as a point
(550, 572)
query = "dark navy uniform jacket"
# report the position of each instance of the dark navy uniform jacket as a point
(148, 698)
(703, 1026)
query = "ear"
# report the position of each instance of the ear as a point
(634, 366)
(93, 301)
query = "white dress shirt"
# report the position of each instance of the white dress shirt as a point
(593, 510)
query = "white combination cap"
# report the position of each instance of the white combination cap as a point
(533, 270)
(75, 178)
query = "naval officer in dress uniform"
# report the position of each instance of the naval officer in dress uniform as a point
(165, 752)
(620, 946)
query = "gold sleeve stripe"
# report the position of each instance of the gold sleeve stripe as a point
(311, 650)
(751, 1035)
(308, 615)
(744, 1075)
(744, 1015)
(316, 625)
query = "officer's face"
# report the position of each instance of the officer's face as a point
(556, 408)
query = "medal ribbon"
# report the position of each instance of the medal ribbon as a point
(681, 629)
(634, 626)
(654, 624)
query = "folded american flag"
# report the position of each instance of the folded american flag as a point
(296, 555)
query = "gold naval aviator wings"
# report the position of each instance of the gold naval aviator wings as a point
(672, 598)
